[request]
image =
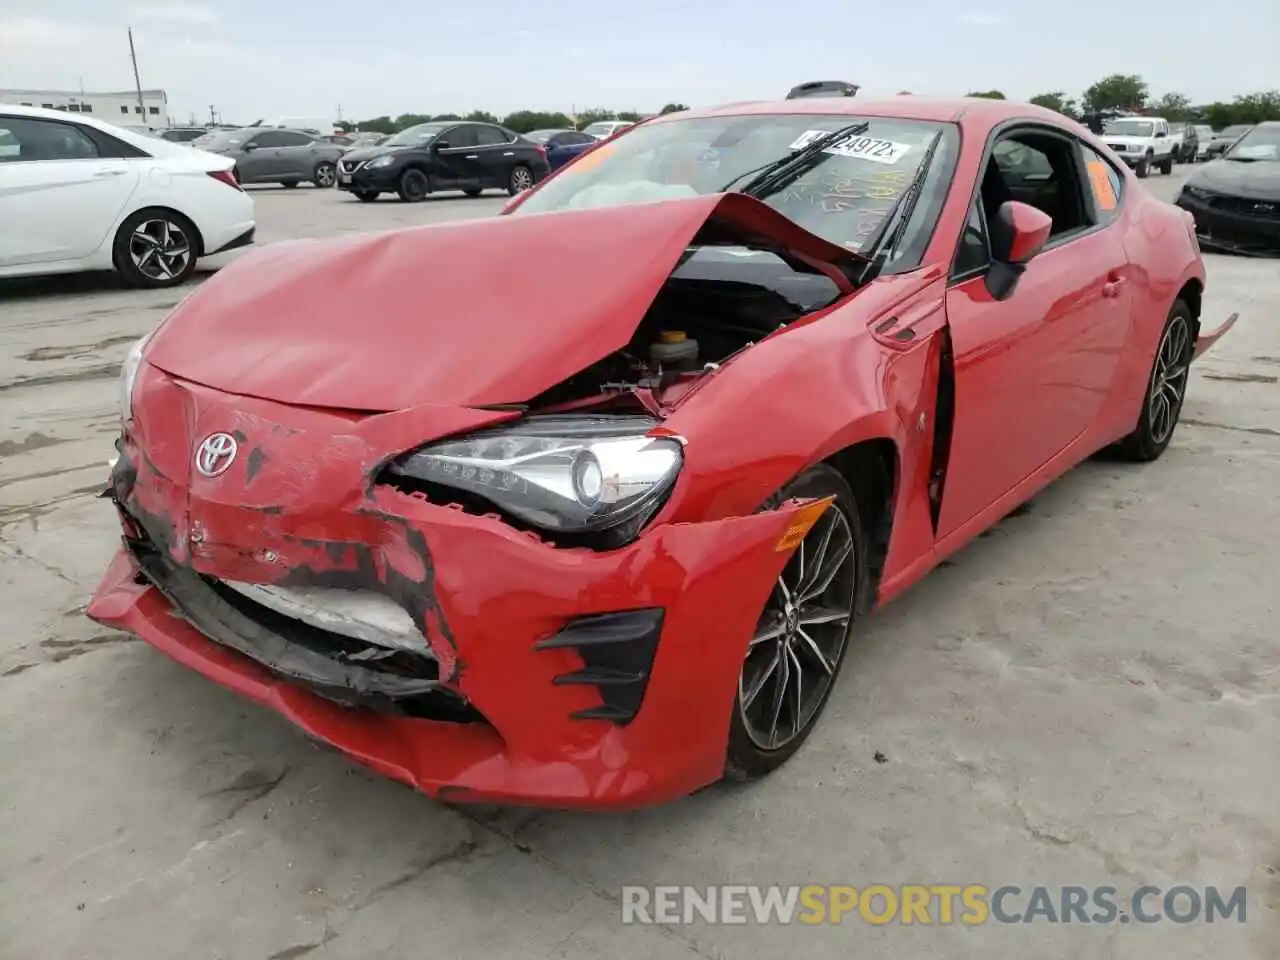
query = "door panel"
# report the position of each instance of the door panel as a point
(53, 184)
(1033, 371)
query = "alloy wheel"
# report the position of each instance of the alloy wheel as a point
(1169, 380)
(159, 249)
(521, 179)
(326, 175)
(801, 635)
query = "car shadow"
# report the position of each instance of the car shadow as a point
(82, 284)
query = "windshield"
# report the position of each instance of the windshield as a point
(596, 129)
(1232, 133)
(845, 197)
(1261, 143)
(1204, 131)
(541, 136)
(413, 136)
(1129, 128)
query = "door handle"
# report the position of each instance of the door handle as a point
(109, 173)
(1112, 287)
(472, 156)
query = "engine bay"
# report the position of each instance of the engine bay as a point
(716, 303)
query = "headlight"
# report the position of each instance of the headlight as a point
(560, 473)
(128, 374)
(383, 161)
(1198, 192)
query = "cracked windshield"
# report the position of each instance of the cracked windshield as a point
(845, 196)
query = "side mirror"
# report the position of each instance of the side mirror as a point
(440, 145)
(1018, 233)
(249, 147)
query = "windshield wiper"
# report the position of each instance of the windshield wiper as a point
(768, 177)
(887, 237)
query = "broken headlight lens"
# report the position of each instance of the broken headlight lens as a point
(128, 374)
(564, 474)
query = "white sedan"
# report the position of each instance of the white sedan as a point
(78, 194)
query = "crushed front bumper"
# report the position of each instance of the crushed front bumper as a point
(550, 677)
(1234, 225)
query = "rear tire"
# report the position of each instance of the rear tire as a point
(473, 191)
(366, 196)
(414, 186)
(786, 644)
(155, 249)
(288, 184)
(1166, 165)
(1166, 390)
(521, 179)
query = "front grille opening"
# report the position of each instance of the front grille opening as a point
(477, 506)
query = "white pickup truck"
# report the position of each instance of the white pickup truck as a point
(1142, 143)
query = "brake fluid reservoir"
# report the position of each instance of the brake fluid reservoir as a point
(674, 351)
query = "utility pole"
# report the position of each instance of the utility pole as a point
(213, 121)
(137, 84)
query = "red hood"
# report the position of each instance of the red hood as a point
(474, 313)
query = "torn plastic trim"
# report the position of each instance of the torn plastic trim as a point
(1207, 340)
(221, 622)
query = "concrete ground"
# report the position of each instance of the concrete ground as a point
(1088, 695)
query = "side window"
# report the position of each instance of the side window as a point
(972, 255)
(464, 136)
(489, 137)
(268, 139)
(1106, 186)
(1039, 169)
(578, 138)
(290, 139)
(24, 139)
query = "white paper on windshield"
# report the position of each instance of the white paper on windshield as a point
(807, 138)
(869, 148)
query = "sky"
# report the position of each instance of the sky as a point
(279, 58)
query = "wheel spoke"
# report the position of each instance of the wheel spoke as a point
(828, 572)
(820, 551)
(779, 694)
(771, 628)
(813, 650)
(814, 615)
(749, 696)
(794, 670)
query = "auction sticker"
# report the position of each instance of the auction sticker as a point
(869, 148)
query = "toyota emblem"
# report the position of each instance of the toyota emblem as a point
(216, 454)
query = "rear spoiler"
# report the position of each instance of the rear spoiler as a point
(1207, 340)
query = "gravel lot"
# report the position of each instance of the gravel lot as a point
(1088, 695)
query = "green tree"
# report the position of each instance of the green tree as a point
(444, 117)
(1059, 101)
(346, 126)
(986, 94)
(522, 121)
(593, 115)
(1173, 106)
(631, 116)
(410, 119)
(673, 108)
(1257, 107)
(1119, 91)
(481, 116)
(378, 125)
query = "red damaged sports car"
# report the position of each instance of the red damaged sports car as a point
(581, 505)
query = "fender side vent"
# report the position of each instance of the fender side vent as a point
(617, 651)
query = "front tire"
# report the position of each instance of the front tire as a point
(521, 179)
(326, 175)
(366, 196)
(1143, 168)
(414, 186)
(802, 635)
(289, 184)
(1166, 165)
(473, 192)
(1166, 390)
(156, 248)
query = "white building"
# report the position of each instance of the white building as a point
(120, 108)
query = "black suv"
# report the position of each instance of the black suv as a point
(443, 155)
